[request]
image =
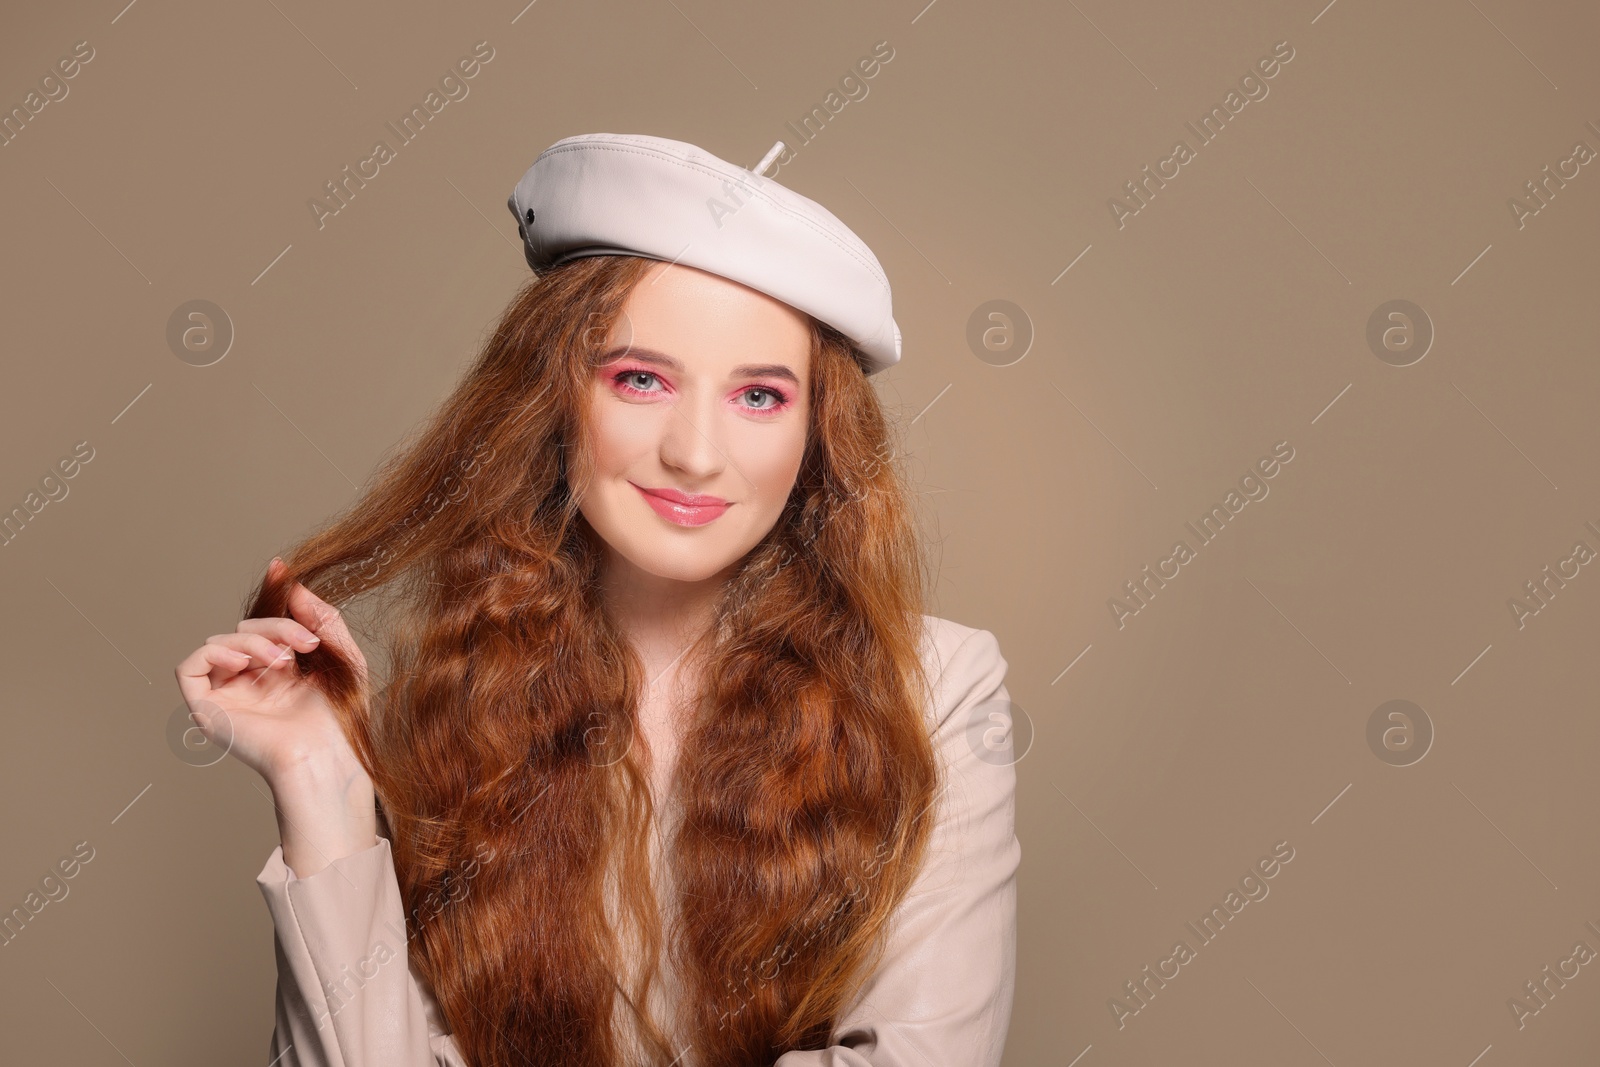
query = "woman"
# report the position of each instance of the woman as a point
(669, 766)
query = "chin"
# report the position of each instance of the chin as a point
(695, 565)
(654, 547)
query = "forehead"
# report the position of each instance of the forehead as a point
(710, 323)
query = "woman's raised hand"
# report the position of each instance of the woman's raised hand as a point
(246, 694)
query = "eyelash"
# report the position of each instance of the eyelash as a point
(781, 396)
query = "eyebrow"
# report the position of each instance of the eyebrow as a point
(744, 370)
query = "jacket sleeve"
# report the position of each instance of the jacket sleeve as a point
(942, 992)
(347, 996)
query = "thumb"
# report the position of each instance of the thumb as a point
(322, 619)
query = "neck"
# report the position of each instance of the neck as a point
(661, 617)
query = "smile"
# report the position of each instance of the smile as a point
(682, 508)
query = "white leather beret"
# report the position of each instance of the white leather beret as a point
(608, 193)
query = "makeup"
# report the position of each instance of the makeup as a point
(685, 509)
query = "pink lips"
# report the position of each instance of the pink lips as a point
(685, 509)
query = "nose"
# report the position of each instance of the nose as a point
(692, 441)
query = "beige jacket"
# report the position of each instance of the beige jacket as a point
(940, 997)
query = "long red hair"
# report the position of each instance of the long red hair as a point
(504, 744)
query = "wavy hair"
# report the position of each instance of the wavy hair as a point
(504, 745)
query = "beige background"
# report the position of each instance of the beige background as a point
(1228, 315)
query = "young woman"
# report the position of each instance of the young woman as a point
(668, 766)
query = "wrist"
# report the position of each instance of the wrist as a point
(325, 793)
(324, 812)
(322, 774)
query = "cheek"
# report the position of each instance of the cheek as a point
(622, 442)
(771, 461)
(622, 435)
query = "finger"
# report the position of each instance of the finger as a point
(262, 651)
(322, 619)
(194, 671)
(284, 631)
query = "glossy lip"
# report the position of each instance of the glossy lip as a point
(694, 500)
(684, 509)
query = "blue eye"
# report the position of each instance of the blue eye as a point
(780, 400)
